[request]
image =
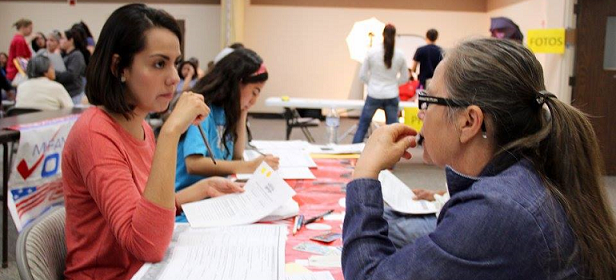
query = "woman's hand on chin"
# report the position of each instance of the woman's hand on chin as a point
(383, 149)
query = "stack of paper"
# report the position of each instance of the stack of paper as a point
(293, 164)
(230, 253)
(265, 192)
(400, 197)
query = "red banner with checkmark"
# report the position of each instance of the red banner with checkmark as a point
(35, 182)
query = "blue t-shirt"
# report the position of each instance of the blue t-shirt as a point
(192, 144)
(428, 57)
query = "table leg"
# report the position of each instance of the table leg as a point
(5, 208)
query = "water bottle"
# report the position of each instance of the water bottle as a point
(332, 122)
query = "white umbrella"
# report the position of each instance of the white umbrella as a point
(364, 35)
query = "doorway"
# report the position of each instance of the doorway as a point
(594, 89)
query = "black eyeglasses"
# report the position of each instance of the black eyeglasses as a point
(424, 99)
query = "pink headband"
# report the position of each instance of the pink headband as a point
(261, 70)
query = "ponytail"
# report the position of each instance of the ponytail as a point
(389, 41)
(570, 160)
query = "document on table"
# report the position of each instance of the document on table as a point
(264, 192)
(320, 275)
(280, 145)
(228, 253)
(400, 197)
(285, 173)
(337, 149)
(287, 210)
(288, 158)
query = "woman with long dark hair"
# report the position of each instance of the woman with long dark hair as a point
(118, 187)
(523, 170)
(384, 69)
(230, 89)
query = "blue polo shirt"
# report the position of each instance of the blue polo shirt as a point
(192, 144)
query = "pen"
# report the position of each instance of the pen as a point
(296, 222)
(314, 219)
(207, 145)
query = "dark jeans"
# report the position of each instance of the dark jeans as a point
(372, 104)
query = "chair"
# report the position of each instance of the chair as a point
(293, 119)
(14, 111)
(41, 247)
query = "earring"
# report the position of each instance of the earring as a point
(122, 79)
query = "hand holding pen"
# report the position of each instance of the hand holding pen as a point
(189, 109)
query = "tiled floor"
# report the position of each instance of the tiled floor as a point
(414, 173)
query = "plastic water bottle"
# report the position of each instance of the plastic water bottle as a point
(332, 122)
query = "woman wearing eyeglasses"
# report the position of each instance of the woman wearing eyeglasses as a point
(523, 170)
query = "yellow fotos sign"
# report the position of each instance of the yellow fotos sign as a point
(546, 40)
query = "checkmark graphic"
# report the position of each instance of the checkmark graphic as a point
(23, 169)
(26, 171)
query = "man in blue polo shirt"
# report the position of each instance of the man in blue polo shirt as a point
(428, 58)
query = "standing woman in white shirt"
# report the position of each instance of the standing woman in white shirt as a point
(384, 69)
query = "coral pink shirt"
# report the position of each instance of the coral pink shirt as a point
(111, 229)
(18, 48)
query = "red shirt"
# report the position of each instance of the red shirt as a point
(111, 229)
(18, 48)
(407, 91)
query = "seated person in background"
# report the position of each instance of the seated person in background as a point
(230, 89)
(200, 72)
(118, 187)
(188, 76)
(226, 51)
(52, 51)
(523, 170)
(4, 59)
(40, 91)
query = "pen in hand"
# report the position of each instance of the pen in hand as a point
(207, 145)
(314, 219)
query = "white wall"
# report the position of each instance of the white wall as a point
(305, 51)
(201, 21)
(537, 14)
(304, 47)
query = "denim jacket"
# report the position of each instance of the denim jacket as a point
(502, 225)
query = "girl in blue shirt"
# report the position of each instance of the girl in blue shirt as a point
(230, 89)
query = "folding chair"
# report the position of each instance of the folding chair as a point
(293, 119)
(41, 247)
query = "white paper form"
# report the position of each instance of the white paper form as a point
(400, 197)
(337, 149)
(319, 275)
(230, 253)
(286, 173)
(288, 158)
(264, 193)
(280, 145)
